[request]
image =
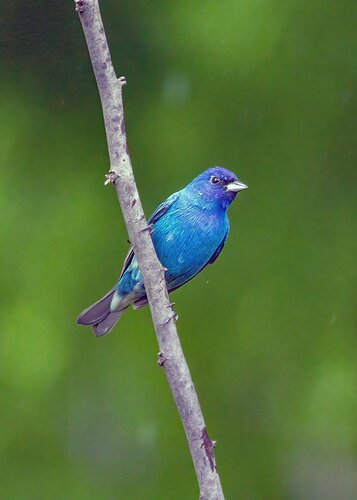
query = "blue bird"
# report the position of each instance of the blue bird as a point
(189, 230)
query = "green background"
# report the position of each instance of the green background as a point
(262, 87)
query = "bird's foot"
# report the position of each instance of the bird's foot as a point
(149, 228)
(110, 177)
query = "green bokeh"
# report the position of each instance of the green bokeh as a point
(262, 87)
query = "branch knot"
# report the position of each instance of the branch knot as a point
(208, 446)
(80, 6)
(122, 81)
(161, 358)
(110, 177)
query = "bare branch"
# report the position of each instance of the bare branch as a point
(121, 175)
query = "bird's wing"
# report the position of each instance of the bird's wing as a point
(218, 250)
(159, 212)
(142, 301)
(163, 208)
(210, 261)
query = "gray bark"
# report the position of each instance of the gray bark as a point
(121, 175)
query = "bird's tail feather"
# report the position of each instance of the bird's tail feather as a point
(99, 315)
(108, 323)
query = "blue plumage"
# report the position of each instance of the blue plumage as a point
(189, 231)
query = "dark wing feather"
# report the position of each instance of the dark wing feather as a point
(127, 261)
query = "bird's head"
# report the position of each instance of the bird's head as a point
(217, 185)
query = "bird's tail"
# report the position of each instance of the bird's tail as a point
(99, 315)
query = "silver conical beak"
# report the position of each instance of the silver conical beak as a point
(236, 186)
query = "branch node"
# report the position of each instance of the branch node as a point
(161, 358)
(208, 446)
(110, 177)
(173, 316)
(80, 6)
(122, 81)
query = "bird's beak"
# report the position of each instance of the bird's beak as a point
(236, 186)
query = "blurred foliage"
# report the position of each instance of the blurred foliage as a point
(262, 87)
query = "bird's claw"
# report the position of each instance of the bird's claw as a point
(149, 228)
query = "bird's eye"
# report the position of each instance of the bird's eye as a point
(214, 180)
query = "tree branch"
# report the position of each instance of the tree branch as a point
(121, 174)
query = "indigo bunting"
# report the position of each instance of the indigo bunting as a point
(189, 230)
